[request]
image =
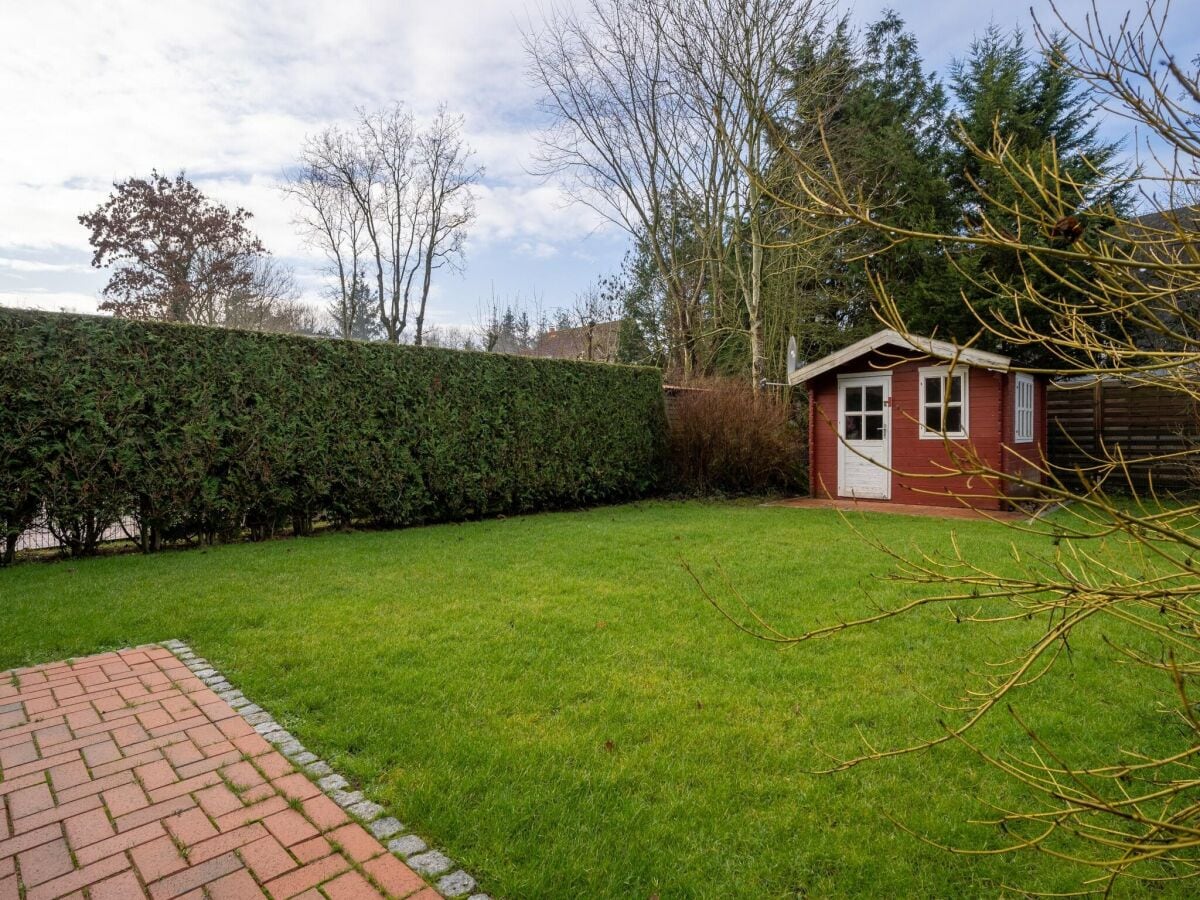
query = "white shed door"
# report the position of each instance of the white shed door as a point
(864, 425)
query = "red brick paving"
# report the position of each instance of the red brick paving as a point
(123, 776)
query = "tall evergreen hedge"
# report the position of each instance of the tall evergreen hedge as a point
(201, 433)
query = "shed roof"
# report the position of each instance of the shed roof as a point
(891, 338)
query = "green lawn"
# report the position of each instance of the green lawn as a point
(550, 700)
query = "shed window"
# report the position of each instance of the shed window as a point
(943, 403)
(864, 412)
(1023, 418)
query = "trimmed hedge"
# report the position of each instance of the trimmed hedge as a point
(199, 433)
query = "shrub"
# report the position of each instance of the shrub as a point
(198, 433)
(723, 438)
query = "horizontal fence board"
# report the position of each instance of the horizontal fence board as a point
(1137, 421)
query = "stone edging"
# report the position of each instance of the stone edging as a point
(407, 846)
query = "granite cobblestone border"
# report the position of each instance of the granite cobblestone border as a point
(431, 863)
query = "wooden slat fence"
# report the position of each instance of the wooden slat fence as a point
(1085, 418)
(673, 393)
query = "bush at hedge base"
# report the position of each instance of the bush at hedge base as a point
(726, 439)
(198, 434)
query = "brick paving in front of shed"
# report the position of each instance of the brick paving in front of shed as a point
(122, 776)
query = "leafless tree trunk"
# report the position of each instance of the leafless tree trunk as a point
(736, 54)
(335, 225)
(626, 139)
(408, 196)
(663, 113)
(448, 174)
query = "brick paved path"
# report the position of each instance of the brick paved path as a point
(123, 776)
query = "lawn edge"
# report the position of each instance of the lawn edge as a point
(400, 841)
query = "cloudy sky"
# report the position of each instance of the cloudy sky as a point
(96, 92)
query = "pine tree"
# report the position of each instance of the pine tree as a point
(895, 116)
(642, 339)
(884, 118)
(1048, 117)
(810, 291)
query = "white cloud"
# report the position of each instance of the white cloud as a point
(54, 301)
(44, 215)
(523, 212)
(97, 92)
(537, 249)
(227, 91)
(32, 265)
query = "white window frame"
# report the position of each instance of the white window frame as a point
(1023, 416)
(944, 372)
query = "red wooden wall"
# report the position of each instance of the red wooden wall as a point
(919, 465)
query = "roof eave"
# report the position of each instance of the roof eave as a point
(889, 337)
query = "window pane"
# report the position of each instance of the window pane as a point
(1024, 417)
(853, 399)
(874, 397)
(956, 389)
(954, 419)
(933, 389)
(874, 428)
(854, 428)
(933, 418)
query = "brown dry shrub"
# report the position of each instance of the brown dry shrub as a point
(724, 439)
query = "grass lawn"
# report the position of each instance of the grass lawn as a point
(550, 700)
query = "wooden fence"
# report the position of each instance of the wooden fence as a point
(1086, 418)
(673, 393)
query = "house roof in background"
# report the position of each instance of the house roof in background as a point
(1181, 217)
(573, 343)
(891, 338)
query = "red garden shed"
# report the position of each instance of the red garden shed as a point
(882, 409)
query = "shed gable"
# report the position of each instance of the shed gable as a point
(899, 347)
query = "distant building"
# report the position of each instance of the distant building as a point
(1183, 218)
(598, 342)
(1165, 238)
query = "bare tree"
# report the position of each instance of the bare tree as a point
(393, 199)
(661, 120)
(627, 140)
(270, 302)
(334, 223)
(447, 175)
(736, 55)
